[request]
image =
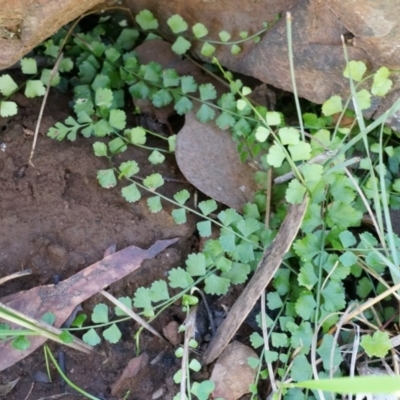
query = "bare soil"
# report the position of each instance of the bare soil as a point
(55, 219)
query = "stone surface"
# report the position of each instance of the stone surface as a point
(232, 374)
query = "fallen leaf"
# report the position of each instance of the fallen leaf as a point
(208, 159)
(134, 366)
(61, 299)
(7, 387)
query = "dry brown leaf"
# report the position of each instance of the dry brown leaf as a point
(208, 159)
(61, 299)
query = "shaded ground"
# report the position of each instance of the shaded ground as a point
(56, 219)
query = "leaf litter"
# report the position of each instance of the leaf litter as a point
(61, 299)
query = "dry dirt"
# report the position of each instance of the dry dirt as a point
(55, 219)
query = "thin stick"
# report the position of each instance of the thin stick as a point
(46, 95)
(133, 315)
(15, 275)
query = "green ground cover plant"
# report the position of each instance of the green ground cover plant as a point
(338, 270)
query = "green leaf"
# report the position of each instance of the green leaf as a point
(117, 119)
(183, 105)
(216, 285)
(235, 49)
(329, 353)
(171, 143)
(307, 276)
(153, 181)
(100, 149)
(244, 34)
(117, 145)
(248, 226)
(8, 108)
(34, 88)
(154, 204)
(127, 302)
(194, 365)
(363, 98)
(29, 66)
(273, 118)
(142, 298)
(139, 90)
(100, 314)
(146, 20)
(224, 36)
(256, 340)
(295, 192)
(343, 215)
(102, 128)
(262, 133)
(179, 215)
(128, 169)
(207, 91)
(253, 362)
(103, 97)
(20, 343)
(203, 389)
(347, 238)
(381, 84)
(136, 135)
(204, 228)
(199, 30)
(274, 301)
(207, 49)
(205, 113)
(305, 305)
(208, 206)
(301, 368)
(229, 216)
(127, 37)
(7, 85)
(153, 72)
(106, 178)
(332, 106)
(300, 152)
(181, 45)
(156, 157)
(188, 84)
(179, 278)
(49, 318)
(131, 193)
(355, 70)
(275, 156)
(66, 337)
(364, 287)
(376, 345)
(196, 264)
(112, 54)
(289, 135)
(334, 296)
(161, 98)
(177, 24)
(301, 336)
(182, 196)
(279, 339)
(159, 291)
(170, 78)
(271, 356)
(46, 76)
(348, 259)
(225, 120)
(112, 334)
(91, 337)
